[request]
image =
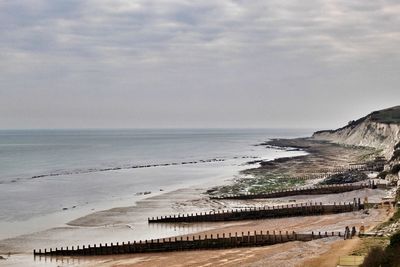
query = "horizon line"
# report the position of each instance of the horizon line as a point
(164, 128)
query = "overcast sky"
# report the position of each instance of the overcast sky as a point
(187, 63)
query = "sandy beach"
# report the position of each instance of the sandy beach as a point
(314, 253)
(115, 225)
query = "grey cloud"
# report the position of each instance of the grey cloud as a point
(211, 60)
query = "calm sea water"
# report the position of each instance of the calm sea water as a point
(67, 173)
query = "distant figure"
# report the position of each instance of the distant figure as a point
(346, 233)
(353, 231)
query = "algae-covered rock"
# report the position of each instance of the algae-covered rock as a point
(345, 177)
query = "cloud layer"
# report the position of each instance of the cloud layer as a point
(180, 63)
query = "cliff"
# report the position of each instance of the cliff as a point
(380, 129)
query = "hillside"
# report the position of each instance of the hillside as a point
(389, 116)
(379, 129)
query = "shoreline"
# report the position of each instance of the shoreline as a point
(112, 189)
(105, 220)
(68, 197)
(177, 202)
(320, 155)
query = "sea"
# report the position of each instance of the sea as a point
(49, 177)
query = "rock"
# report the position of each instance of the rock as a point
(352, 176)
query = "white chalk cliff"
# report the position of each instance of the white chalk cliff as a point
(380, 129)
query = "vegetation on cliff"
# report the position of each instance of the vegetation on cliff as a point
(384, 257)
(389, 115)
(383, 251)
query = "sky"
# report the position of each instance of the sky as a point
(187, 63)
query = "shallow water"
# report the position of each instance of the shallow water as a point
(49, 177)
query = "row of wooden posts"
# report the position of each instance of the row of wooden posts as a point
(311, 190)
(189, 243)
(303, 209)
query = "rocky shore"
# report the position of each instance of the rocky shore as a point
(322, 159)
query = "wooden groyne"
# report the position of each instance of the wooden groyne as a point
(194, 243)
(312, 190)
(306, 209)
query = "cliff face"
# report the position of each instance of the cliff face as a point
(380, 129)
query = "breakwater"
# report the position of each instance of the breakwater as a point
(306, 209)
(312, 190)
(219, 241)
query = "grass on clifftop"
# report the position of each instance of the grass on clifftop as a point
(390, 115)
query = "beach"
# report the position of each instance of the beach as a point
(314, 253)
(129, 223)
